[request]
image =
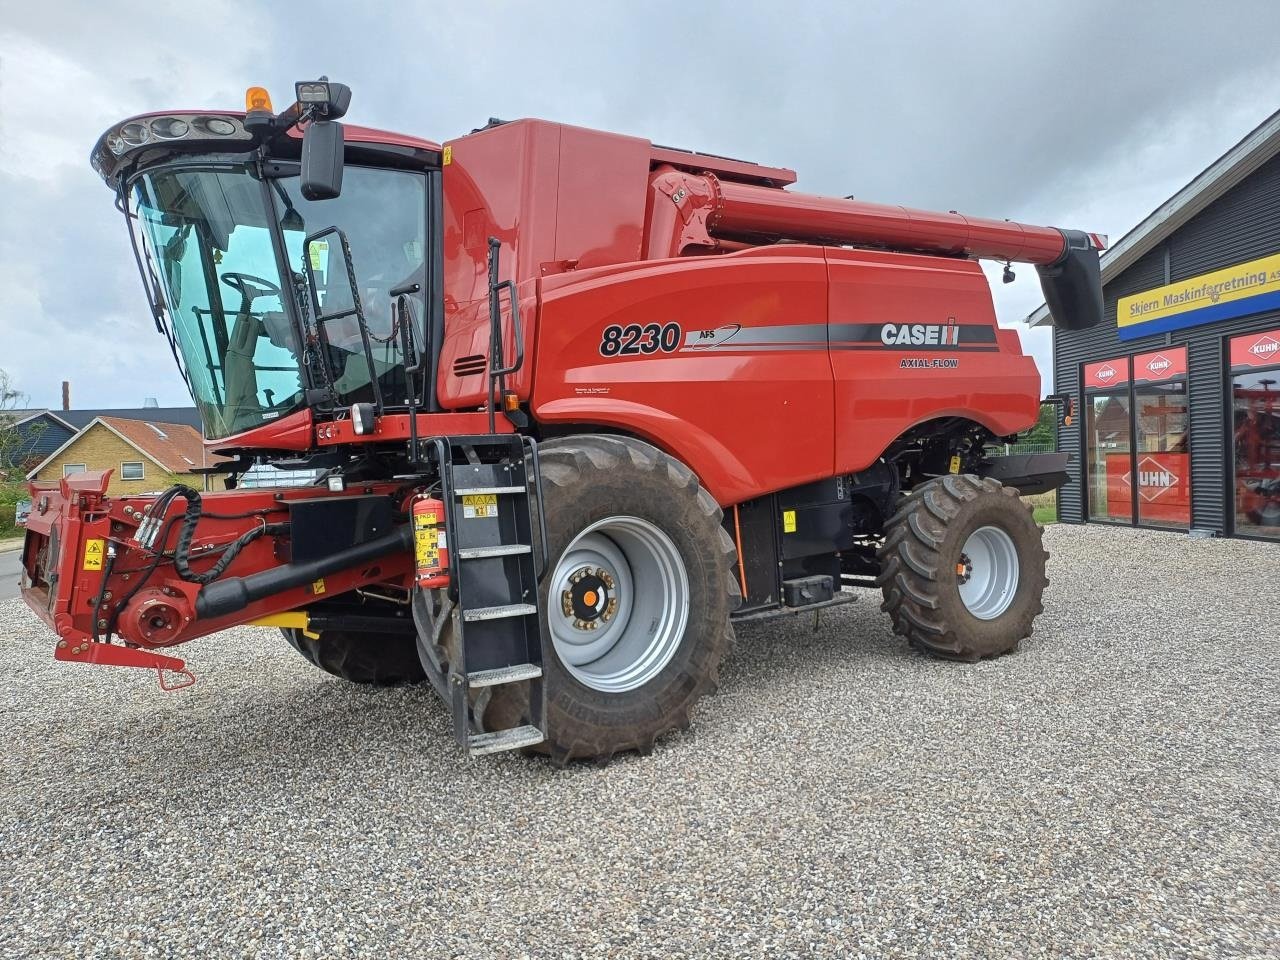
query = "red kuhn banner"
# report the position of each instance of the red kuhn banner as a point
(1256, 350)
(1160, 365)
(1107, 374)
(1164, 486)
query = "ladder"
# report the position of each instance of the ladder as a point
(488, 483)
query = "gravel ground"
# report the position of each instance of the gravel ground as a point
(1111, 790)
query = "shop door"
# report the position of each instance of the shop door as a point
(1108, 448)
(1255, 399)
(1161, 460)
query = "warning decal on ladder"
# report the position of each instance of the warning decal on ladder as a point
(480, 505)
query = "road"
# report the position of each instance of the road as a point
(9, 566)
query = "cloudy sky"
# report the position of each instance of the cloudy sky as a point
(1075, 114)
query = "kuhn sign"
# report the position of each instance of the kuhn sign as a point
(1164, 490)
(1256, 350)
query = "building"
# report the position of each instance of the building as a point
(145, 456)
(40, 431)
(1177, 392)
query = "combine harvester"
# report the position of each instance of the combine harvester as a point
(579, 402)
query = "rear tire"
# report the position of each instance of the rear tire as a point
(376, 659)
(606, 496)
(962, 568)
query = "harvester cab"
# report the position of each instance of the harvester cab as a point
(574, 402)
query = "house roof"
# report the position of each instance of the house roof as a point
(173, 447)
(1259, 146)
(19, 417)
(79, 419)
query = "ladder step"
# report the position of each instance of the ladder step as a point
(478, 491)
(502, 550)
(481, 743)
(497, 613)
(512, 674)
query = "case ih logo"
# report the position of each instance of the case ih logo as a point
(1105, 374)
(1159, 364)
(1154, 479)
(1265, 347)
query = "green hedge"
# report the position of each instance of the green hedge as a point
(10, 494)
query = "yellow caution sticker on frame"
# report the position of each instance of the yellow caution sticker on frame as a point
(479, 505)
(317, 587)
(955, 463)
(94, 550)
(447, 157)
(788, 521)
(318, 250)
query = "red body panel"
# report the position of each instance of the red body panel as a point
(596, 230)
(804, 387)
(728, 412)
(881, 391)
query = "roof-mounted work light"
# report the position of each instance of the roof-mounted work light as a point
(323, 97)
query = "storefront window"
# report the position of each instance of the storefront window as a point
(1107, 440)
(1255, 398)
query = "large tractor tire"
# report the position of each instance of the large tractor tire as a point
(376, 659)
(962, 568)
(635, 601)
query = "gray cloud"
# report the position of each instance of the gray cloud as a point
(1078, 114)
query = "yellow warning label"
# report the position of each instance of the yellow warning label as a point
(317, 586)
(93, 552)
(426, 539)
(447, 157)
(480, 505)
(955, 463)
(319, 253)
(788, 521)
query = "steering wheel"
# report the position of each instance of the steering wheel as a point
(250, 287)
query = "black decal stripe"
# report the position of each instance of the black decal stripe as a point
(973, 337)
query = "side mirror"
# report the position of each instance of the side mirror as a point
(322, 160)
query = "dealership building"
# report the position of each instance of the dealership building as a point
(1177, 393)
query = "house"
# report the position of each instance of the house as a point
(36, 434)
(145, 456)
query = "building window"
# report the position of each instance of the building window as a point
(1255, 401)
(131, 470)
(69, 468)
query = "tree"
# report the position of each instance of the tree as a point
(15, 442)
(1045, 430)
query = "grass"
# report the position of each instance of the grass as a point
(1044, 506)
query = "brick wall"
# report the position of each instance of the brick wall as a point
(99, 449)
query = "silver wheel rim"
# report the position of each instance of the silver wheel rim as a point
(988, 572)
(618, 604)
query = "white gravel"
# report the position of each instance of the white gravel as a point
(1111, 790)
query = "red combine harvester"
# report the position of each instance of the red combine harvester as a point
(575, 402)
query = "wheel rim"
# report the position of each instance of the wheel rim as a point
(988, 572)
(618, 604)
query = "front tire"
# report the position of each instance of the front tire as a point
(635, 603)
(962, 568)
(375, 659)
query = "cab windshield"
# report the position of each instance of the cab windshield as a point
(210, 232)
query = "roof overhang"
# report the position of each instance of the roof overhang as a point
(1231, 168)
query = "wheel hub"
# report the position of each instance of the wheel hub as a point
(620, 603)
(590, 598)
(988, 572)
